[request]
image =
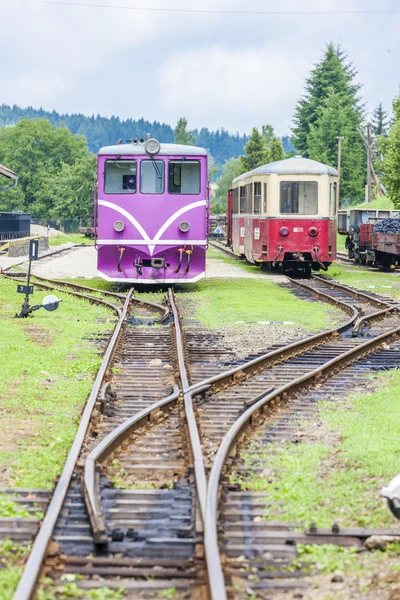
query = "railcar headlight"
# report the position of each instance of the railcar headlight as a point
(284, 231)
(184, 226)
(119, 226)
(313, 231)
(152, 146)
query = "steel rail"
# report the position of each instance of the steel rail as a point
(357, 293)
(214, 567)
(194, 436)
(102, 451)
(256, 365)
(93, 299)
(61, 282)
(31, 572)
(79, 286)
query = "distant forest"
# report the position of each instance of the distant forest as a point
(103, 131)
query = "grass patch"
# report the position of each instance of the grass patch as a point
(377, 203)
(76, 238)
(12, 557)
(327, 558)
(47, 372)
(244, 302)
(49, 591)
(371, 281)
(338, 476)
(340, 245)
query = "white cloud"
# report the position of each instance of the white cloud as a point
(245, 87)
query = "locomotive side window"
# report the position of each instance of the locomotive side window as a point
(333, 195)
(257, 197)
(235, 197)
(184, 177)
(120, 176)
(242, 199)
(152, 176)
(265, 199)
(299, 197)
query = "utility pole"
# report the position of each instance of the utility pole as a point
(369, 164)
(339, 160)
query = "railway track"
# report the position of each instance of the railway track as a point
(147, 489)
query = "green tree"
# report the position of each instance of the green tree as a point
(275, 149)
(379, 121)
(70, 191)
(267, 131)
(333, 72)
(181, 133)
(37, 152)
(390, 148)
(231, 169)
(256, 151)
(336, 118)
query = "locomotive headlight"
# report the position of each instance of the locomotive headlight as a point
(313, 231)
(119, 226)
(284, 231)
(152, 146)
(184, 226)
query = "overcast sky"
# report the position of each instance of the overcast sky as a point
(219, 70)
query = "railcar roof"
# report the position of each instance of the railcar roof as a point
(291, 166)
(7, 172)
(166, 150)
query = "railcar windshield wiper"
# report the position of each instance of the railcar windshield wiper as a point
(158, 172)
(177, 164)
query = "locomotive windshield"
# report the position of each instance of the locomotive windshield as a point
(299, 197)
(120, 177)
(152, 176)
(184, 177)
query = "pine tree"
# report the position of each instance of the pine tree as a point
(275, 149)
(335, 118)
(256, 151)
(181, 134)
(390, 147)
(267, 132)
(379, 121)
(331, 72)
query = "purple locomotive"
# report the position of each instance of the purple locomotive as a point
(151, 206)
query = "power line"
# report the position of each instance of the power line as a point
(220, 11)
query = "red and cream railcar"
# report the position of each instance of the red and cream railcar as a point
(284, 214)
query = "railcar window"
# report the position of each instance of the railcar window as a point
(333, 196)
(257, 197)
(265, 199)
(242, 199)
(120, 176)
(299, 197)
(235, 196)
(184, 177)
(152, 176)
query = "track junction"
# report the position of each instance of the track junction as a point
(146, 501)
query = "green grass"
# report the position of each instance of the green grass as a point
(12, 556)
(340, 242)
(76, 238)
(377, 203)
(47, 372)
(243, 302)
(370, 281)
(337, 481)
(50, 591)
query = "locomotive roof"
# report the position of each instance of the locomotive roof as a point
(166, 150)
(291, 166)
